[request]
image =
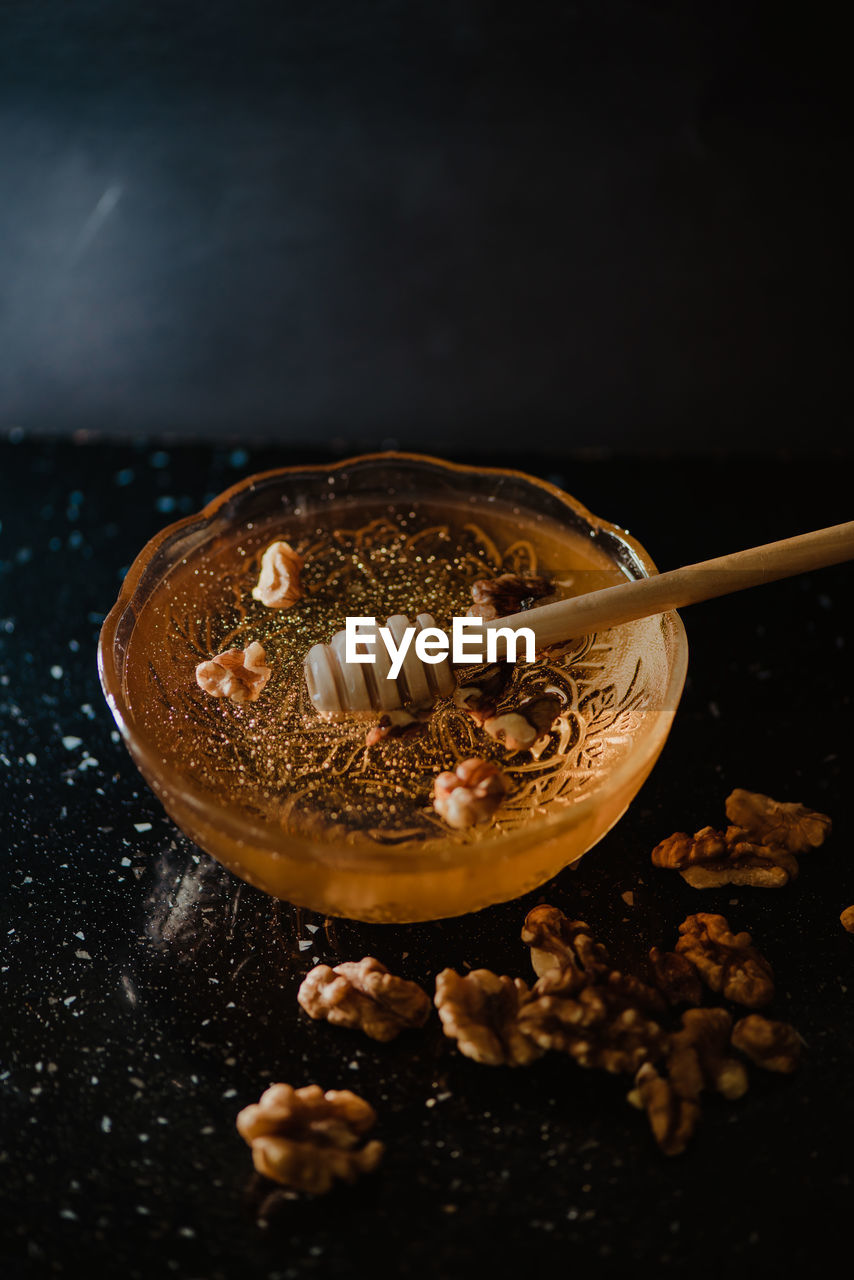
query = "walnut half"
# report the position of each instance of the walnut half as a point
(364, 995)
(279, 582)
(521, 727)
(307, 1139)
(681, 850)
(699, 1055)
(791, 827)
(581, 1005)
(481, 1012)
(559, 945)
(726, 961)
(758, 849)
(236, 674)
(672, 1118)
(776, 1046)
(710, 859)
(470, 794)
(697, 1059)
(604, 1024)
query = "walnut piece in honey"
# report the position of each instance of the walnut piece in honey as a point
(364, 995)
(520, 728)
(481, 696)
(726, 961)
(279, 583)
(236, 674)
(470, 794)
(847, 919)
(481, 1012)
(307, 1139)
(508, 593)
(776, 1046)
(393, 724)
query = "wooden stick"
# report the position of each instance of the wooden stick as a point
(336, 687)
(580, 615)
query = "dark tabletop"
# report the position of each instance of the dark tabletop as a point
(149, 995)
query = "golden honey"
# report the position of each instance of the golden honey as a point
(275, 758)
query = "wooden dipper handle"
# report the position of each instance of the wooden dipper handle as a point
(598, 610)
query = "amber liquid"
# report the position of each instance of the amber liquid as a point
(275, 760)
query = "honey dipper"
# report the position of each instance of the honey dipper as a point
(337, 687)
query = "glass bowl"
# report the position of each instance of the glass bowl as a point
(622, 689)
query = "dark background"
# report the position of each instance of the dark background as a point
(603, 224)
(600, 241)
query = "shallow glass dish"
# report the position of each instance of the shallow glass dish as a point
(305, 811)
